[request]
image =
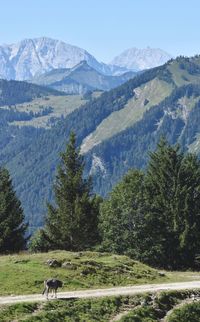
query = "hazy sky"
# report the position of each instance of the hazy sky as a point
(105, 27)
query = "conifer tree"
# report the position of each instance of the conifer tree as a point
(72, 223)
(172, 223)
(163, 192)
(12, 226)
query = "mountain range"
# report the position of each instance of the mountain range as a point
(115, 129)
(80, 79)
(31, 57)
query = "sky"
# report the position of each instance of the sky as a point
(105, 28)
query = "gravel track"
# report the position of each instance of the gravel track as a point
(127, 290)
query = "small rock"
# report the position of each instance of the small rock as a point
(88, 270)
(69, 265)
(53, 263)
(146, 101)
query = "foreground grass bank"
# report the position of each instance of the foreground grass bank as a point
(25, 273)
(138, 308)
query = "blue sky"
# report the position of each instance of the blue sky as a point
(105, 27)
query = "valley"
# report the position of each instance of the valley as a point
(127, 121)
(99, 161)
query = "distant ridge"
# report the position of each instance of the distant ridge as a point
(31, 57)
(140, 59)
(80, 79)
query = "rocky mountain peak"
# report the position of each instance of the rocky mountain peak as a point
(140, 59)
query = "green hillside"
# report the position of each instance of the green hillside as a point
(116, 130)
(177, 121)
(146, 96)
(79, 270)
(176, 73)
(60, 105)
(14, 92)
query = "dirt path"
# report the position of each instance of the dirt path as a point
(127, 290)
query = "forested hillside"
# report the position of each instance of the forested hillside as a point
(115, 131)
(14, 92)
(177, 118)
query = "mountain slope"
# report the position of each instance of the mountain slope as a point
(125, 123)
(13, 92)
(80, 79)
(177, 118)
(140, 59)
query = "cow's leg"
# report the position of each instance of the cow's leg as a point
(47, 291)
(45, 286)
(56, 293)
(44, 290)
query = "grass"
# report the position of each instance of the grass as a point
(137, 308)
(186, 313)
(25, 273)
(146, 96)
(62, 105)
(58, 311)
(181, 76)
(144, 314)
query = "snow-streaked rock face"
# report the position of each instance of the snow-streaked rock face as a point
(30, 57)
(140, 59)
(97, 166)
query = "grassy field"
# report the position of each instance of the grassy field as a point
(139, 308)
(61, 105)
(25, 273)
(181, 76)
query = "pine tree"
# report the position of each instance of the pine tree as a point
(172, 223)
(163, 192)
(72, 223)
(12, 226)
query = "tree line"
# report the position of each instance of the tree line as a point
(152, 215)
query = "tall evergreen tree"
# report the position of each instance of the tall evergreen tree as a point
(170, 234)
(12, 226)
(163, 191)
(72, 223)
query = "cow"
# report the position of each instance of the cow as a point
(51, 284)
